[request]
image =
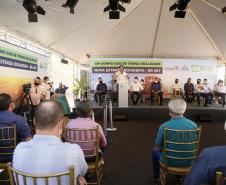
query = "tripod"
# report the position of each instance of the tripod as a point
(28, 112)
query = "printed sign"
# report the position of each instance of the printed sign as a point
(18, 60)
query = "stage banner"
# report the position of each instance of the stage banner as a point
(131, 66)
(147, 69)
(14, 59)
(19, 66)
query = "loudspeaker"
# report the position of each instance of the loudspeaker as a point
(64, 61)
(205, 117)
(119, 117)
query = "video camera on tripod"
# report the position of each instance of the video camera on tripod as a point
(30, 106)
(26, 88)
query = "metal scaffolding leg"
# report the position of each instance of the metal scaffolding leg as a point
(93, 118)
(105, 119)
(111, 121)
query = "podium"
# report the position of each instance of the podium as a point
(122, 92)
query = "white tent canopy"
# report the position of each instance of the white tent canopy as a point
(146, 29)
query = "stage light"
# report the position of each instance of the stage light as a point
(114, 7)
(70, 4)
(224, 10)
(32, 9)
(181, 5)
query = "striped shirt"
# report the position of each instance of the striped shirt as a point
(48, 155)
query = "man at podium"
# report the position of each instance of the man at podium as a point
(121, 74)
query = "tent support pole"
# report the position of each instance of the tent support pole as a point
(109, 33)
(210, 4)
(207, 35)
(157, 31)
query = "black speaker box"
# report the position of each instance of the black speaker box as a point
(119, 117)
(205, 117)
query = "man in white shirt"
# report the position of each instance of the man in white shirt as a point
(121, 74)
(46, 87)
(220, 90)
(135, 89)
(200, 91)
(208, 90)
(45, 153)
(177, 88)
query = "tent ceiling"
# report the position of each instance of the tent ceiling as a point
(135, 34)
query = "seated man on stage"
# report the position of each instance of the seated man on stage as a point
(135, 89)
(177, 108)
(100, 90)
(189, 90)
(143, 91)
(121, 74)
(156, 90)
(220, 90)
(177, 88)
(208, 91)
(160, 82)
(114, 90)
(200, 91)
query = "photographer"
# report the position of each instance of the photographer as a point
(61, 89)
(36, 92)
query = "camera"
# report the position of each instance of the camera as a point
(26, 87)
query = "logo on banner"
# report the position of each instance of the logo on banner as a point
(207, 68)
(177, 67)
(195, 68)
(185, 67)
(41, 65)
(45, 65)
(169, 68)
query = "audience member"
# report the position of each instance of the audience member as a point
(120, 74)
(208, 90)
(177, 108)
(177, 88)
(189, 90)
(204, 168)
(100, 90)
(45, 153)
(200, 91)
(37, 92)
(61, 89)
(220, 90)
(84, 110)
(156, 90)
(143, 91)
(135, 88)
(46, 87)
(114, 90)
(9, 119)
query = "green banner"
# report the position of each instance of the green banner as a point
(8, 53)
(126, 63)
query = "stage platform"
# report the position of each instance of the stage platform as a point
(145, 111)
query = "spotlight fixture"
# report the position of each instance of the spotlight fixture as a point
(181, 6)
(224, 10)
(70, 4)
(33, 10)
(114, 7)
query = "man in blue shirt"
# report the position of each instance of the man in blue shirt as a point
(8, 119)
(100, 90)
(204, 168)
(156, 89)
(177, 108)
